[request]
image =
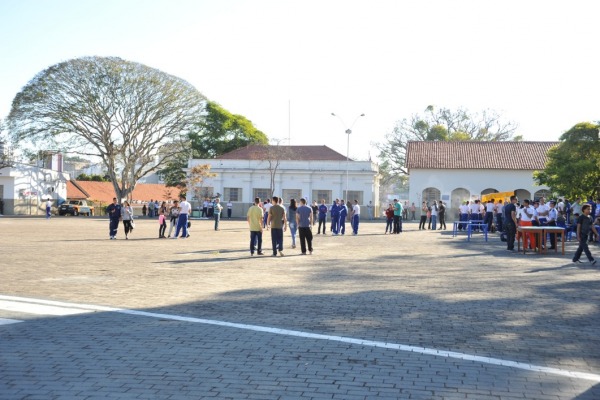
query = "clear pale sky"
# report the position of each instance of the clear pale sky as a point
(286, 65)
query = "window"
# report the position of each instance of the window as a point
(262, 193)
(355, 195)
(321, 194)
(289, 194)
(232, 194)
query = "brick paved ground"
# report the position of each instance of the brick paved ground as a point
(421, 288)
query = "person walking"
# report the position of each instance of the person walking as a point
(584, 228)
(127, 217)
(291, 217)
(114, 214)
(48, 209)
(255, 223)
(173, 216)
(304, 220)
(323, 217)
(355, 217)
(182, 220)
(217, 208)
(278, 223)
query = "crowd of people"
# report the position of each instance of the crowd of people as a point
(499, 215)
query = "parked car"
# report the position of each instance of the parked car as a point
(76, 207)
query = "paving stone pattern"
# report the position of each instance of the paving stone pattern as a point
(420, 288)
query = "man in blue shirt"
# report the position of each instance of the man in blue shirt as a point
(304, 220)
(343, 214)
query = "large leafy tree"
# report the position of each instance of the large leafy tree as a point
(132, 117)
(441, 124)
(573, 166)
(219, 132)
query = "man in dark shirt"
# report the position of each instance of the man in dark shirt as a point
(277, 221)
(114, 214)
(510, 218)
(584, 227)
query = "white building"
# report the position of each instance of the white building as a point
(24, 189)
(457, 171)
(312, 172)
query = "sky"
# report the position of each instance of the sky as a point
(287, 65)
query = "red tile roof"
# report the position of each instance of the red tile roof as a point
(300, 153)
(477, 155)
(104, 191)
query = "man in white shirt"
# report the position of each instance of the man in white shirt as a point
(474, 210)
(182, 221)
(464, 214)
(551, 221)
(528, 214)
(542, 211)
(355, 217)
(489, 213)
(229, 209)
(48, 209)
(267, 206)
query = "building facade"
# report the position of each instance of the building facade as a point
(311, 172)
(457, 171)
(24, 189)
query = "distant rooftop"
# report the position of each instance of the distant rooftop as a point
(294, 153)
(477, 155)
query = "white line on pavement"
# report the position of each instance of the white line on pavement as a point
(5, 321)
(40, 309)
(316, 336)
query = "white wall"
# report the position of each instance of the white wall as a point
(303, 175)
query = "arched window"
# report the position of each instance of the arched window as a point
(430, 194)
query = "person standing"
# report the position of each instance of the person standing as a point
(528, 214)
(584, 227)
(397, 216)
(315, 210)
(291, 217)
(389, 219)
(322, 217)
(442, 215)
(355, 217)
(182, 220)
(343, 213)
(489, 214)
(424, 211)
(510, 220)
(173, 216)
(335, 216)
(151, 209)
(434, 214)
(48, 209)
(304, 219)
(463, 211)
(114, 214)
(276, 219)
(205, 208)
(266, 206)
(255, 223)
(127, 217)
(217, 208)
(370, 210)
(162, 220)
(229, 209)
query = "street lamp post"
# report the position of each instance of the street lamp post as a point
(348, 132)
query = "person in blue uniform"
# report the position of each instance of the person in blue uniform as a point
(322, 218)
(114, 214)
(343, 214)
(335, 216)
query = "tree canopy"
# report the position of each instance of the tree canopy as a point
(133, 117)
(573, 166)
(219, 132)
(441, 124)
